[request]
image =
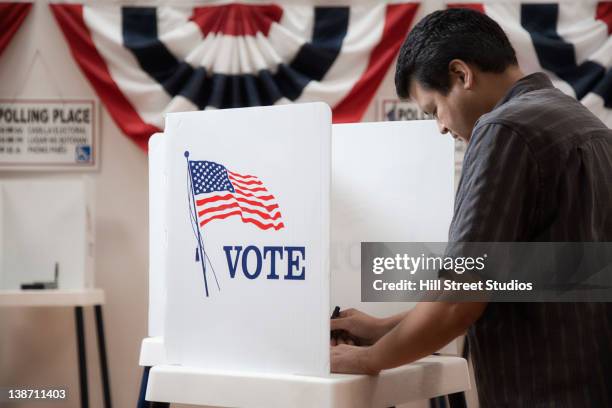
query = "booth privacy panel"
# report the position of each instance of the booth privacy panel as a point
(247, 208)
(158, 183)
(44, 223)
(391, 181)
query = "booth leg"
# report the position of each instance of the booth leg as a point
(142, 402)
(457, 400)
(78, 315)
(102, 353)
(438, 402)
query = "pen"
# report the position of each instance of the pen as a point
(336, 312)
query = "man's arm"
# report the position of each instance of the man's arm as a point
(422, 331)
(496, 202)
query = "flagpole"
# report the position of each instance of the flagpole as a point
(193, 208)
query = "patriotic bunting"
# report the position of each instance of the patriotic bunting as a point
(146, 61)
(570, 41)
(11, 17)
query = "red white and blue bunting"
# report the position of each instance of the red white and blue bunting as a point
(146, 61)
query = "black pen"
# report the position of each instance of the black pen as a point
(336, 312)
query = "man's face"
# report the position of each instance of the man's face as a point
(456, 112)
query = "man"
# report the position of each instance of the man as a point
(538, 167)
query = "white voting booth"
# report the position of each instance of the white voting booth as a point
(45, 228)
(256, 217)
(47, 257)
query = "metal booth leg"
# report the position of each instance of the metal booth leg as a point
(102, 353)
(78, 315)
(142, 402)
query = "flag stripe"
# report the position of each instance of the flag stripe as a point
(139, 28)
(11, 17)
(604, 89)
(232, 200)
(263, 215)
(315, 58)
(77, 34)
(253, 189)
(260, 224)
(239, 19)
(253, 211)
(398, 20)
(555, 54)
(242, 176)
(247, 183)
(473, 6)
(212, 199)
(247, 187)
(263, 198)
(604, 14)
(203, 201)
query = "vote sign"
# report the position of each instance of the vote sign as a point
(247, 238)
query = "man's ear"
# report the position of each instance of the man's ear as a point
(460, 71)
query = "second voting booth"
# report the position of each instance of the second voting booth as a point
(256, 220)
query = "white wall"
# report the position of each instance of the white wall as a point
(38, 345)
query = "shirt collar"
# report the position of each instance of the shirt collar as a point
(532, 82)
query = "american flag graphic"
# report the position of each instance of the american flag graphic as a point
(220, 193)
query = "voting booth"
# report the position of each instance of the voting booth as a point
(46, 234)
(256, 216)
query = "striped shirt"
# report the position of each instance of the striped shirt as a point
(539, 168)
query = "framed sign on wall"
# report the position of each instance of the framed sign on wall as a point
(48, 134)
(395, 109)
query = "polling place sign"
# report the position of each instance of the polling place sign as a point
(395, 109)
(48, 134)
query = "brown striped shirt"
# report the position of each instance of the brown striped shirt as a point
(539, 168)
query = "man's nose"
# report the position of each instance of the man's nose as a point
(443, 129)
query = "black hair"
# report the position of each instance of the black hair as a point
(450, 34)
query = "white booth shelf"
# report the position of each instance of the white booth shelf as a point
(51, 297)
(426, 378)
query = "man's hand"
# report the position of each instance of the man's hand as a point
(342, 337)
(350, 360)
(420, 332)
(365, 328)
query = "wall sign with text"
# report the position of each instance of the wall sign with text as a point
(394, 109)
(48, 134)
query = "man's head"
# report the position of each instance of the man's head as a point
(456, 64)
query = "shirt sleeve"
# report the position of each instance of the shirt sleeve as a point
(497, 196)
